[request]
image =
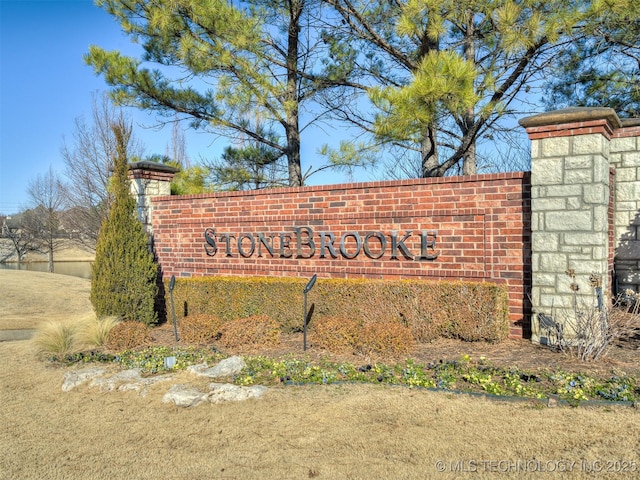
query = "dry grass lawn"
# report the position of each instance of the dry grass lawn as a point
(31, 298)
(330, 432)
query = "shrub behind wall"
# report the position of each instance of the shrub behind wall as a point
(469, 311)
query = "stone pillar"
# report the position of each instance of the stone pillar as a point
(625, 156)
(570, 215)
(148, 180)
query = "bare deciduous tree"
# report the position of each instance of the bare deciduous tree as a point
(88, 164)
(47, 198)
(22, 240)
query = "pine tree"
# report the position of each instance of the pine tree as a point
(124, 272)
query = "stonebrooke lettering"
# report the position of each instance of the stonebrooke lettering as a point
(303, 242)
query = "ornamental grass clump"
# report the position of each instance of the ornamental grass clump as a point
(73, 336)
(94, 332)
(57, 338)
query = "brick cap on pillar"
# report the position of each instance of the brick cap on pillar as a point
(572, 115)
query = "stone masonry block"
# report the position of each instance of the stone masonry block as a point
(626, 234)
(601, 169)
(545, 241)
(553, 262)
(556, 301)
(631, 159)
(628, 250)
(624, 144)
(585, 269)
(628, 208)
(574, 250)
(600, 252)
(615, 160)
(629, 174)
(579, 162)
(545, 279)
(574, 203)
(578, 176)
(563, 191)
(555, 146)
(586, 144)
(569, 221)
(585, 238)
(547, 172)
(549, 204)
(537, 221)
(601, 218)
(626, 192)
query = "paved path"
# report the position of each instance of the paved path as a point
(13, 335)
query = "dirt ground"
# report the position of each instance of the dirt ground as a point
(330, 432)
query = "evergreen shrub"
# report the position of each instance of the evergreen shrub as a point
(124, 273)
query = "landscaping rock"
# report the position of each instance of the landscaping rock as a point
(181, 395)
(184, 396)
(226, 392)
(74, 378)
(225, 368)
(128, 380)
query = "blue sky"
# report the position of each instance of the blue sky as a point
(45, 85)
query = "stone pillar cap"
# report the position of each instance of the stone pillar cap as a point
(153, 167)
(571, 115)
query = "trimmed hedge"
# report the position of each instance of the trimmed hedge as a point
(200, 328)
(469, 311)
(127, 335)
(258, 330)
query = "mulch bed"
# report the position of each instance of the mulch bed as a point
(521, 353)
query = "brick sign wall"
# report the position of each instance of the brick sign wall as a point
(455, 228)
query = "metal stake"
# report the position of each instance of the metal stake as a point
(305, 291)
(172, 284)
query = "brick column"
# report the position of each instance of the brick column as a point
(148, 180)
(570, 198)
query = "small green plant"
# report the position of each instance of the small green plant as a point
(151, 360)
(463, 375)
